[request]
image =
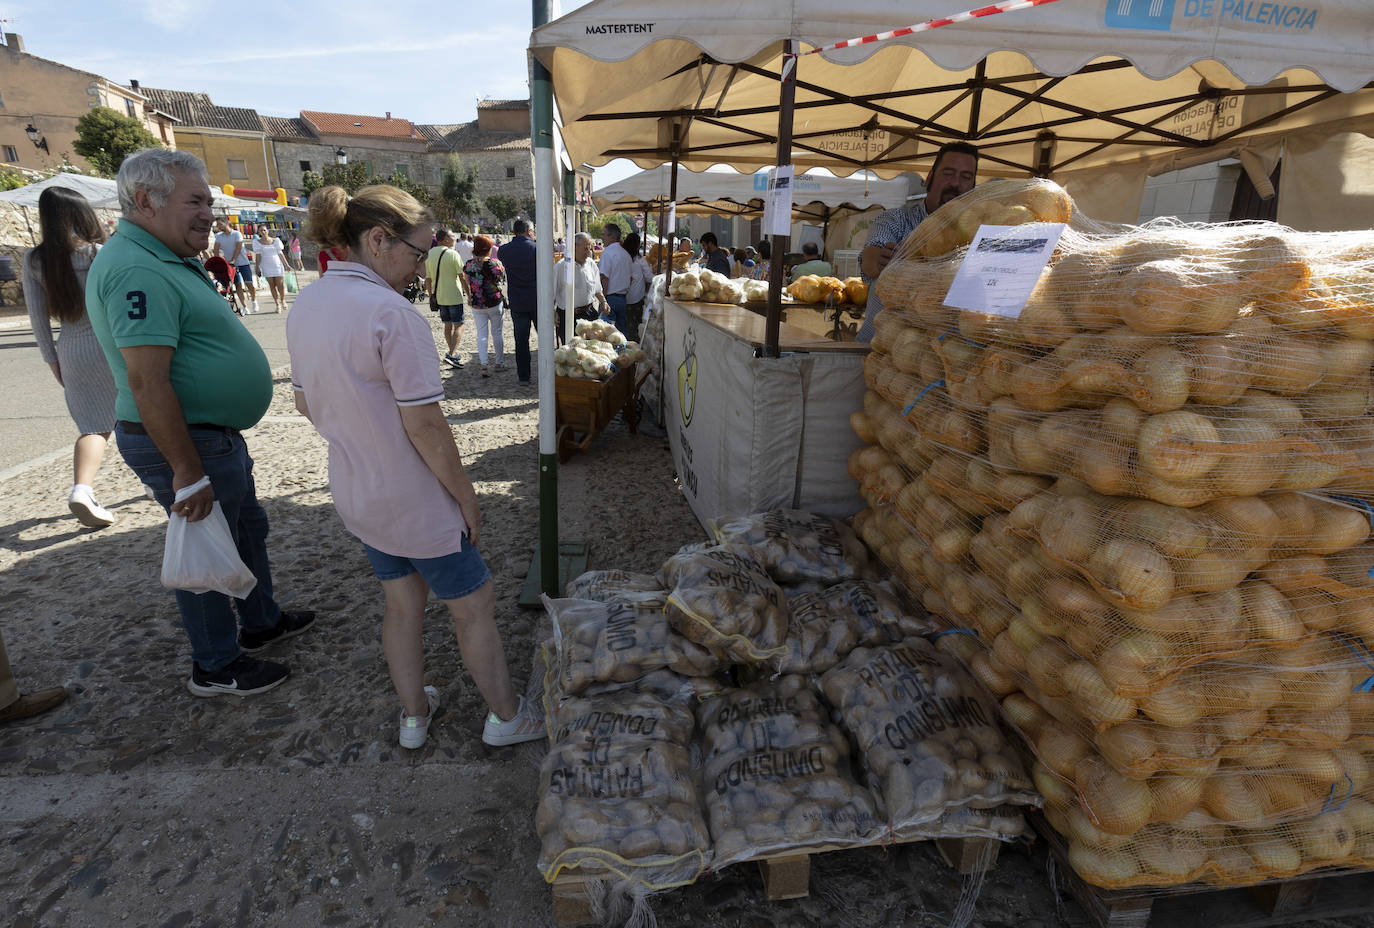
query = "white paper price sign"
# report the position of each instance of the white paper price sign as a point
(1002, 266)
(777, 209)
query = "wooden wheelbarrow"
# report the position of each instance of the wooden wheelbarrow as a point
(586, 407)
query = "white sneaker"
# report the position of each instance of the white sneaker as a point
(415, 728)
(87, 510)
(526, 725)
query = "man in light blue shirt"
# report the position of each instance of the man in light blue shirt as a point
(954, 173)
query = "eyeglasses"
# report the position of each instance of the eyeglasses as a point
(420, 254)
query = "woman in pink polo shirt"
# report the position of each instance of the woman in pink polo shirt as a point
(366, 373)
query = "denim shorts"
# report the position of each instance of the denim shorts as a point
(452, 576)
(453, 314)
(245, 272)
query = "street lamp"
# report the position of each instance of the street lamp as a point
(340, 157)
(36, 137)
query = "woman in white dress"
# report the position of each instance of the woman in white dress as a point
(54, 284)
(270, 255)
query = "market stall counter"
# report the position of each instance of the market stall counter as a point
(750, 433)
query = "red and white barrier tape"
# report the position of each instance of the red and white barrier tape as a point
(1004, 7)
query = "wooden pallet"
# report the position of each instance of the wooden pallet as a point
(1318, 895)
(785, 876)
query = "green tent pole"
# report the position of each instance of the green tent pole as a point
(541, 134)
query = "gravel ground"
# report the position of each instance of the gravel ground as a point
(137, 804)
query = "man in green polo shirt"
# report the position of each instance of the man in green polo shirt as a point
(189, 377)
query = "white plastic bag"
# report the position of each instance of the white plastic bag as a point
(201, 557)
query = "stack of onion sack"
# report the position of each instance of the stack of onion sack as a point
(776, 773)
(928, 737)
(1147, 494)
(619, 792)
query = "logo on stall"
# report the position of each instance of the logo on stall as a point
(1140, 14)
(687, 377)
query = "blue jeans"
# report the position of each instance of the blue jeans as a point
(618, 305)
(209, 617)
(522, 323)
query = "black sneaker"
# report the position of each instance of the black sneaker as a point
(244, 676)
(289, 625)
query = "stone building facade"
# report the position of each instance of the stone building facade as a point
(229, 139)
(496, 144)
(51, 97)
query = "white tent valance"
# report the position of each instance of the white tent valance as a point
(816, 196)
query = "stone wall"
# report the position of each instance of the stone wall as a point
(18, 233)
(1197, 194)
(420, 166)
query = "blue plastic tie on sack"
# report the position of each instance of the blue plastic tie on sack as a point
(1349, 788)
(1367, 684)
(1368, 510)
(1359, 504)
(955, 631)
(928, 387)
(941, 338)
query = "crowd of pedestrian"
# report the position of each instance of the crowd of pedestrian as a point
(150, 350)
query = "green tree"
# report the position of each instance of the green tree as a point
(527, 206)
(310, 182)
(105, 138)
(397, 179)
(10, 179)
(503, 206)
(458, 191)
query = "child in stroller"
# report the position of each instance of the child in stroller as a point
(223, 275)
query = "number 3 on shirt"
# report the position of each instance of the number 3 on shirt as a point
(139, 302)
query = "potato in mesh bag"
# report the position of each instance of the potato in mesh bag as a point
(619, 791)
(605, 585)
(927, 734)
(723, 599)
(777, 773)
(797, 546)
(828, 624)
(620, 641)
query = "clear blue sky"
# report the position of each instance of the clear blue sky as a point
(343, 56)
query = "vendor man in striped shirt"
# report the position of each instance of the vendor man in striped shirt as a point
(954, 173)
(189, 377)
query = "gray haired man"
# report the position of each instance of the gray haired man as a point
(189, 377)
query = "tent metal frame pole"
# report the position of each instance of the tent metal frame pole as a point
(780, 243)
(541, 134)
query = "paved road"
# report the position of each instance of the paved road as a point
(33, 414)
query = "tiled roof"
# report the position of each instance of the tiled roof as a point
(195, 110)
(503, 104)
(280, 127)
(350, 124)
(466, 136)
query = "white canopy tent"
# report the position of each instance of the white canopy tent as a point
(1097, 93)
(95, 189)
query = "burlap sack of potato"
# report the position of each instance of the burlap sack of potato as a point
(620, 641)
(606, 585)
(776, 773)
(796, 546)
(723, 599)
(927, 735)
(618, 791)
(827, 625)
